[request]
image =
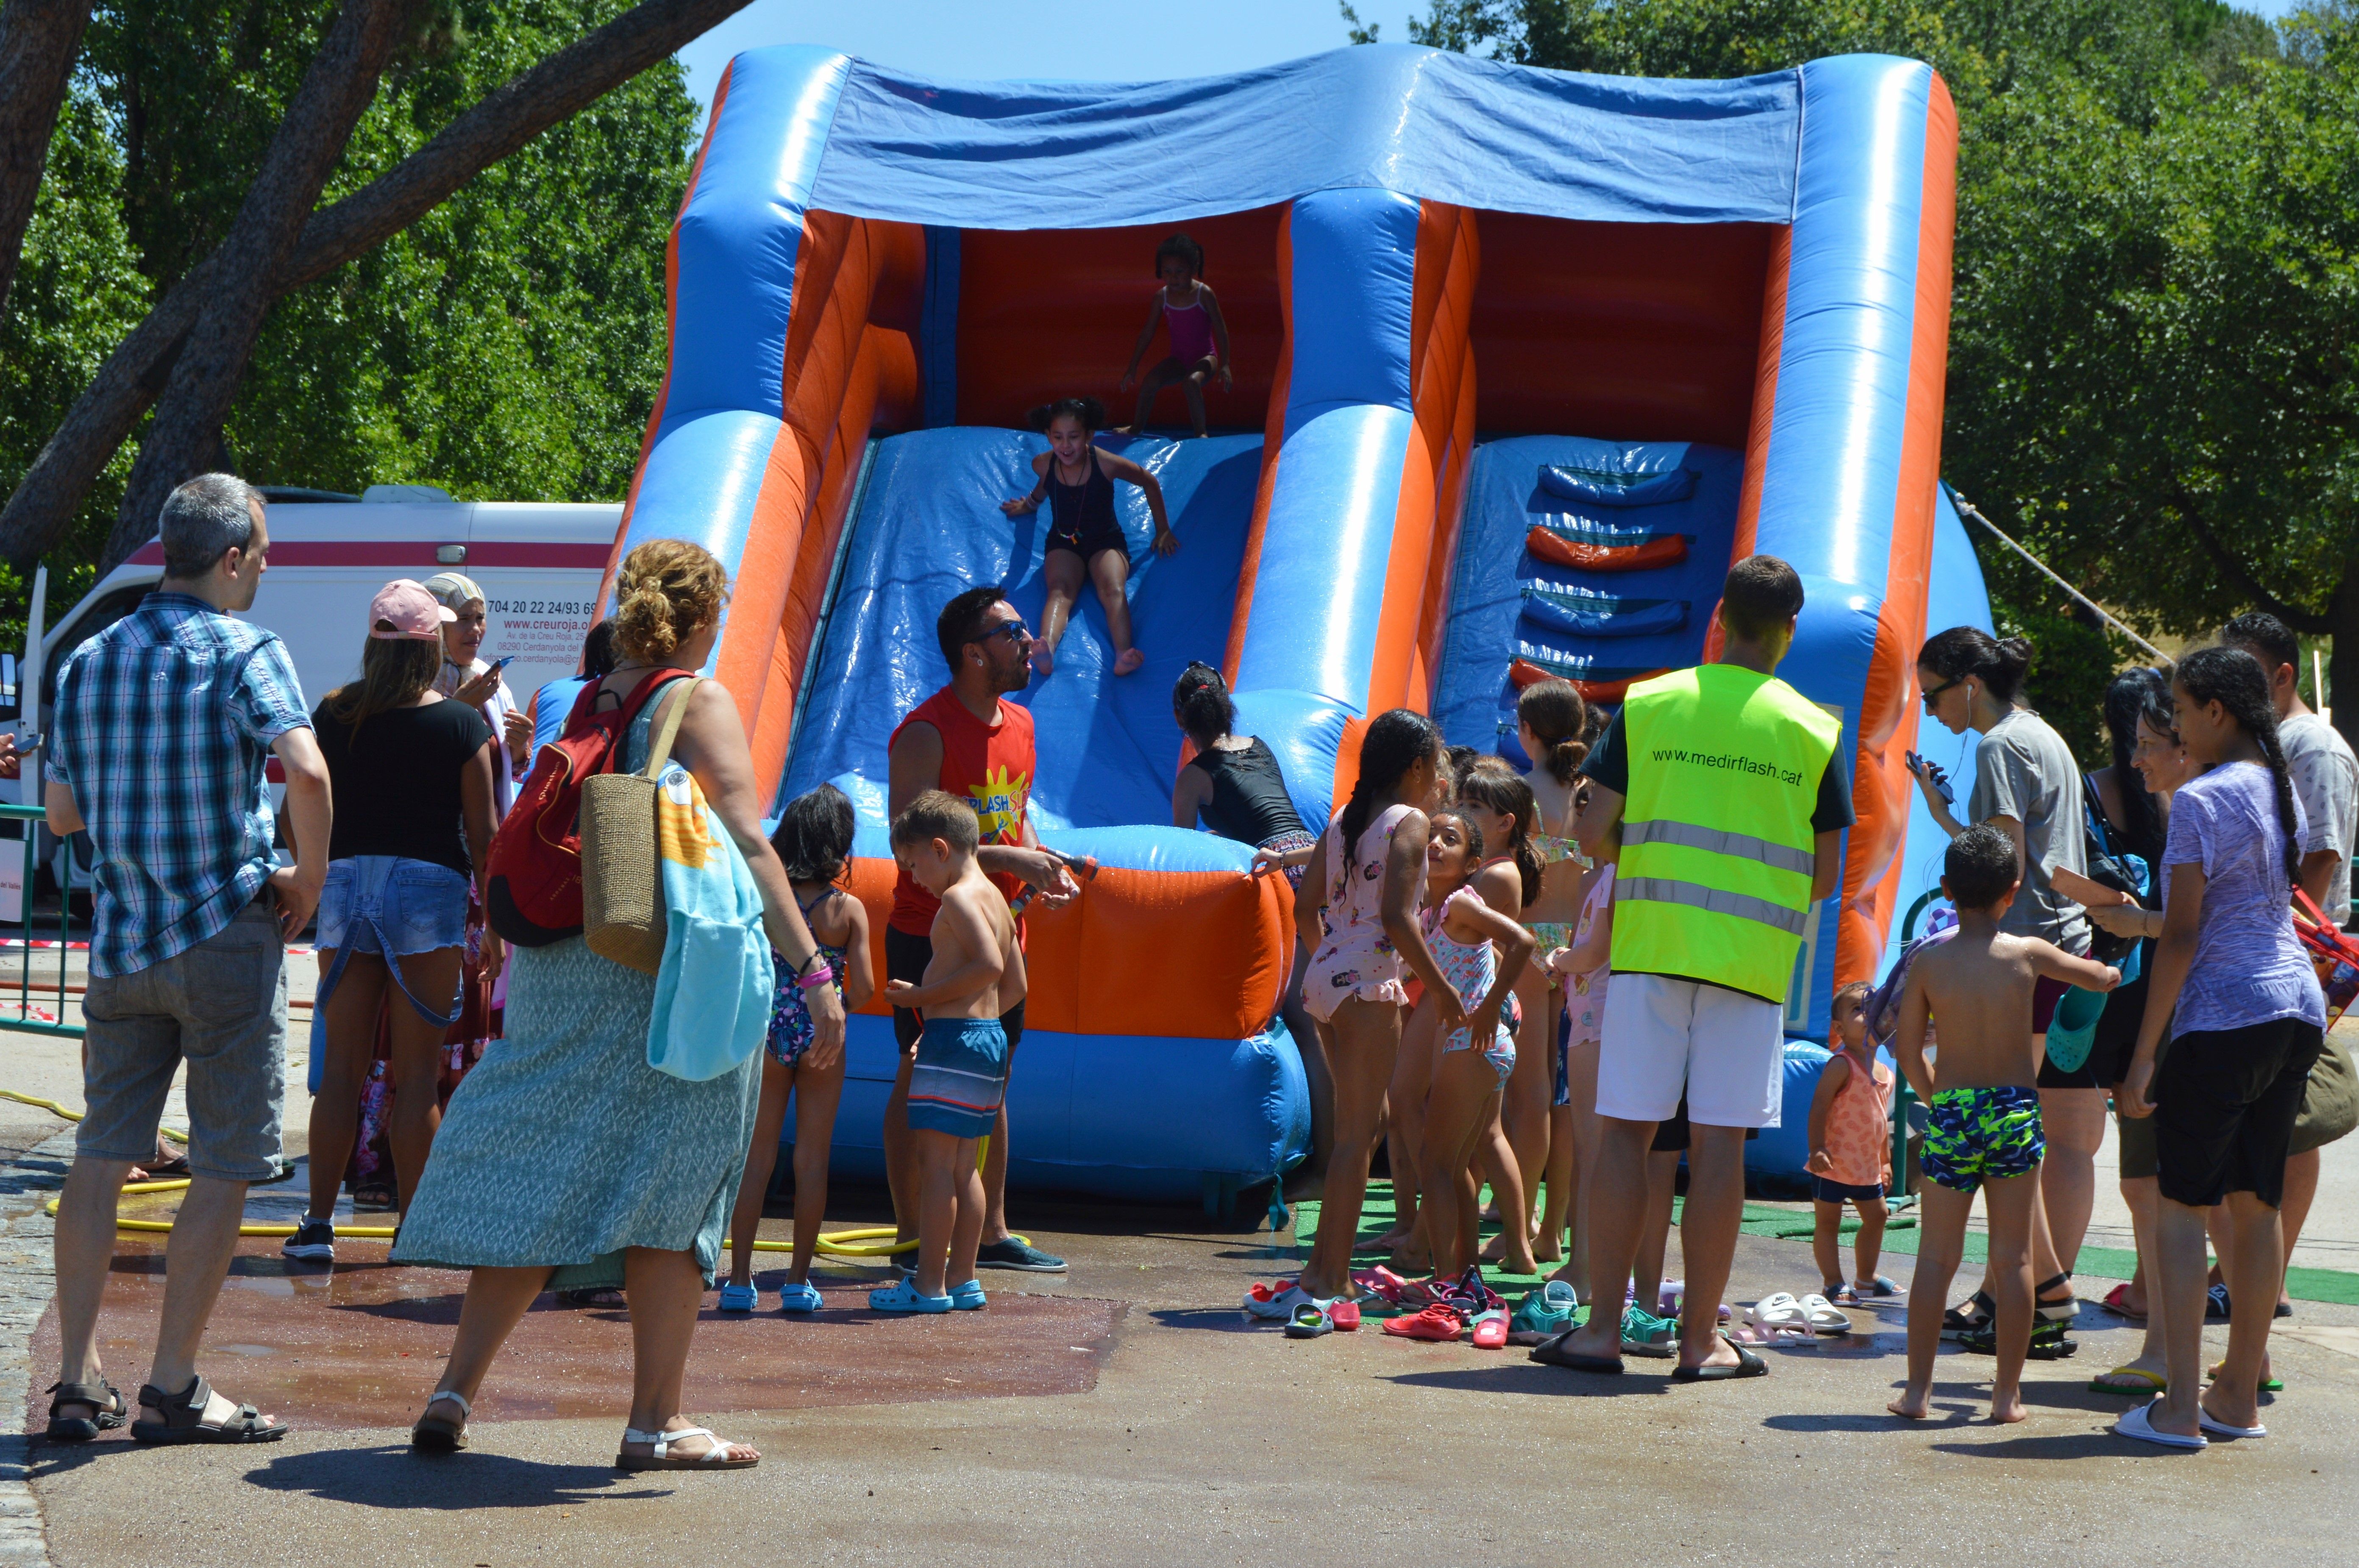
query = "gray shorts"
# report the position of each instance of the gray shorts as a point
(222, 1005)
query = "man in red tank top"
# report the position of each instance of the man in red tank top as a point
(968, 740)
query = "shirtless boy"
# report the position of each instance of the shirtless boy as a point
(1985, 1105)
(977, 974)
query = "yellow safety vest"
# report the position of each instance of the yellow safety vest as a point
(1717, 847)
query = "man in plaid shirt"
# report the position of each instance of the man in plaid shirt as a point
(162, 726)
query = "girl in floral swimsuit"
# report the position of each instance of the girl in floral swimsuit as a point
(814, 840)
(1467, 937)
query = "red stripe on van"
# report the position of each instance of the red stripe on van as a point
(414, 552)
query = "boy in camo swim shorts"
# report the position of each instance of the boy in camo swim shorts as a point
(1983, 1093)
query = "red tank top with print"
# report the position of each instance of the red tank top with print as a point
(988, 764)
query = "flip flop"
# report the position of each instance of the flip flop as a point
(1824, 1316)
(1551, 1352)
(2221, 1428)
(2268, 1385)
(2138, 1425)
(2154, 1383)
(2113, 1298)
(1383, 1283)
(1748, 1365)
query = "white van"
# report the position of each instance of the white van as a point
(538, 564)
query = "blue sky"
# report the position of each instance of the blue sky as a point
(996, 39)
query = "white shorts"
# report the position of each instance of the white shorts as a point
(1662, 1036)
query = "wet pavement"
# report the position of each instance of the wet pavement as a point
(1127, 1412)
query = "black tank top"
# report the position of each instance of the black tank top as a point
(1078, 508)
(1249, 801)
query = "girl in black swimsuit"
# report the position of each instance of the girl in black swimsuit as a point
(1085, 539)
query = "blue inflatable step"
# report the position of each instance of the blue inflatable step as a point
(1576, 611)
(1601, 488)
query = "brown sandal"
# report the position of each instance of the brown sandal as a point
(105, 1401)
(184, 1419)
(437, 1434)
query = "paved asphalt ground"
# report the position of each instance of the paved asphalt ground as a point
(1127, 1412)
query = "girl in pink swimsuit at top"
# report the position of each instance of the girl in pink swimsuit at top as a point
(1199, 338)
(1476, 1057)
(1357, 914)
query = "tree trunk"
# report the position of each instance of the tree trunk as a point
(38, 40)
(133, 377)
(2342, 693)
(187, 429)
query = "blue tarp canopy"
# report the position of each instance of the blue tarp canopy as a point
(1426, 123)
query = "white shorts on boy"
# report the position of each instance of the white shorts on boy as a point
(1662, 1036)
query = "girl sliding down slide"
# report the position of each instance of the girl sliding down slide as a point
(1077, 480)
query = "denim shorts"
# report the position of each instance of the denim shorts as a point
(221, 1007)
(384, 905)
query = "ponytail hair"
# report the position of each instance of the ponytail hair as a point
(1089, 411)
(1968, 651)
(1553, 711)
(1199, 700)
(1497, 789)
(1396, 742)
(2234, 679)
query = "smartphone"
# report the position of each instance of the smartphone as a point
(500, 664)
(1940, 781)
(28, 740)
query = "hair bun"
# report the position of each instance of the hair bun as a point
(2017, 651)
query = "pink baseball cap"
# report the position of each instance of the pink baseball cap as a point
(409, 609)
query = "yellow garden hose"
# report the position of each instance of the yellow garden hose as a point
(863, 1242)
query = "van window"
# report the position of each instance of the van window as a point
(95, 619)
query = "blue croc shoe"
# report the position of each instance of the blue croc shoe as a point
(901, 1296)
(966, 1298)
(739, 1297)
(802, 1298)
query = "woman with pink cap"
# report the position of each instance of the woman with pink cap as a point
(412, 776)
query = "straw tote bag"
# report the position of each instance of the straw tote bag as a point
(622, 869)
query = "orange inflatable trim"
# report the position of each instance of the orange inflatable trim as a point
(1200, 953)
(1545, 544)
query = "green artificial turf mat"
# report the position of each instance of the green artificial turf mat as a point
(1780, 1222)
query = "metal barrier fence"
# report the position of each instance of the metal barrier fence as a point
(26, 986)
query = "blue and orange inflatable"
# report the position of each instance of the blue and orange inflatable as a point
(1523, 359)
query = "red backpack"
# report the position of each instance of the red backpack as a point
(534, 895)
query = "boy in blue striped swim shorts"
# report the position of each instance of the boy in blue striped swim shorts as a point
(961, 1077)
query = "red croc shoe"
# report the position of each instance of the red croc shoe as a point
(1490, 1330)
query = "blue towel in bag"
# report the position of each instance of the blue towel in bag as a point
(715, 988)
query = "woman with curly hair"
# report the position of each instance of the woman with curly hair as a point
(565, 1159)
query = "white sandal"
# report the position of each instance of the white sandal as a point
(1824, 1316)
(713, 1458)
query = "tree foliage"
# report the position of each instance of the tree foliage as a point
(2154, 322)
(505, 346)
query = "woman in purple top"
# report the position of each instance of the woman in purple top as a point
(2247, 1018)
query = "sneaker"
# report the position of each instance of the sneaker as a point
(1020, 1255)
(314, 1241)
(1644, 1333)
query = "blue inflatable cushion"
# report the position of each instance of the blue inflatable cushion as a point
(1599, 488)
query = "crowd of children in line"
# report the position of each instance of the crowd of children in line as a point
(1422, 904)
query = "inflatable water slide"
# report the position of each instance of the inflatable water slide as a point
(1522, 358)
